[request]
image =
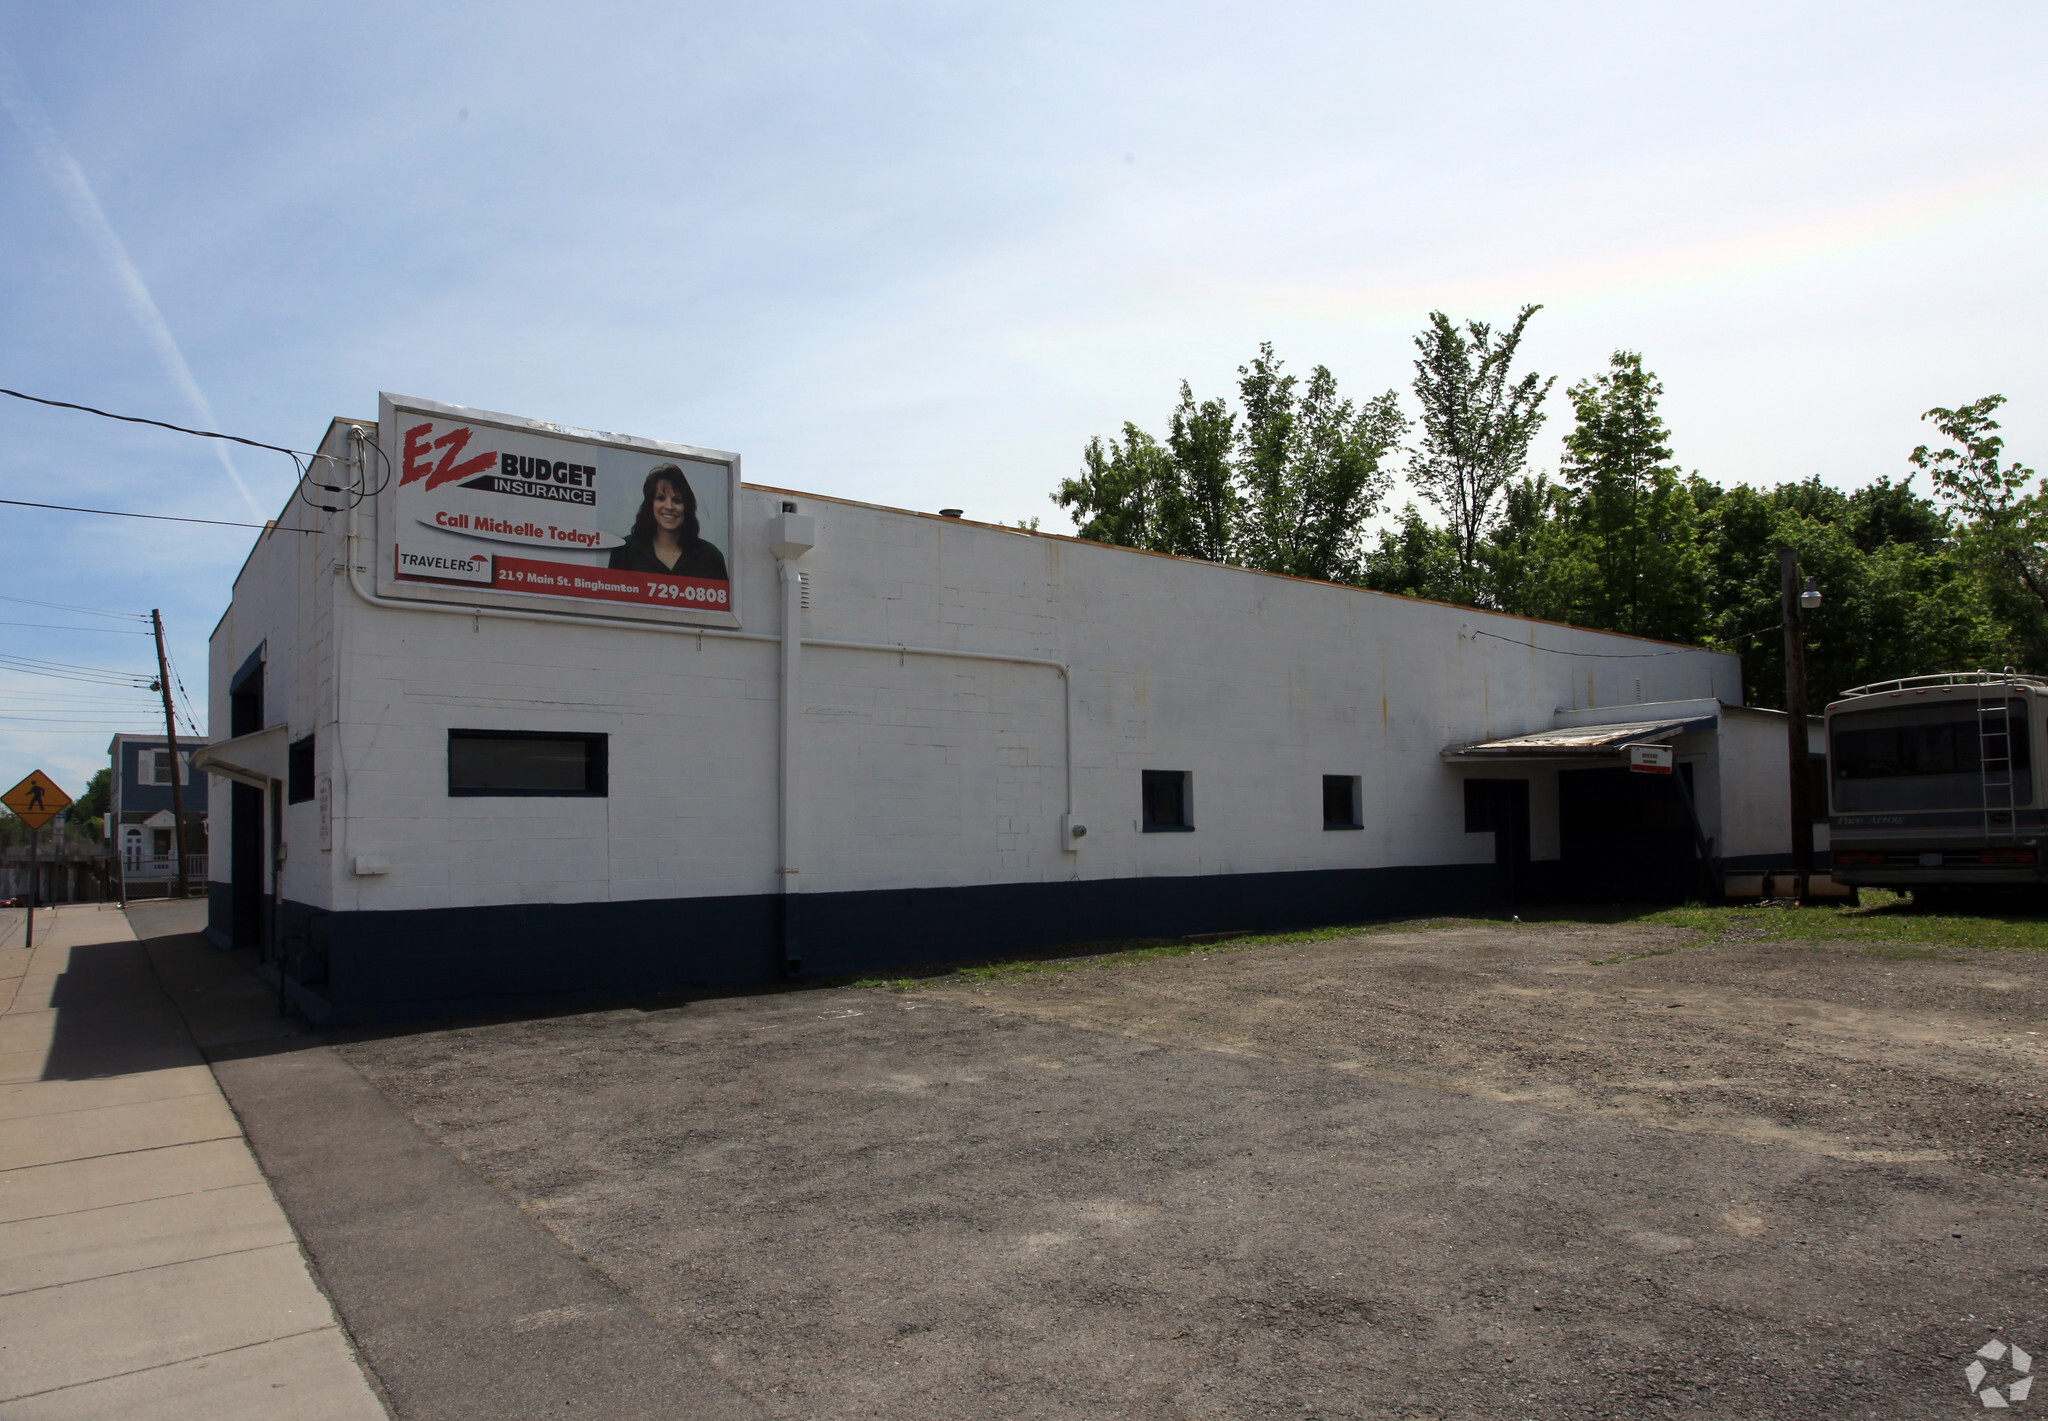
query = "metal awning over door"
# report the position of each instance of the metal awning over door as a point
(1581, 742)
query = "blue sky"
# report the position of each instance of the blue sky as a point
(917, 254)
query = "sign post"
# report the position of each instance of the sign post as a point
(35, 802)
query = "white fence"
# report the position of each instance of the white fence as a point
(146, 866)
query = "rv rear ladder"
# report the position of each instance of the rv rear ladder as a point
(1994, 761)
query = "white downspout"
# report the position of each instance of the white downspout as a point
(790, 536)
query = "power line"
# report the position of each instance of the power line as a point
(62, 665)
(301, 460)
(74, 719)
(67, 607)
(88, 675)
(53, 627)
(184, 696)
(153, 517)
(1616, 655)
(175, 428)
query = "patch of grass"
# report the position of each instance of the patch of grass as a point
(1889, 924)
(1110, 954)
(1886, 924)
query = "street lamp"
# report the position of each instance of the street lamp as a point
(1797, 600)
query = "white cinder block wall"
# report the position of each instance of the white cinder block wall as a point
(912, 772)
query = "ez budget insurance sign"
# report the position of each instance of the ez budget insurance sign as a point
(474, 505)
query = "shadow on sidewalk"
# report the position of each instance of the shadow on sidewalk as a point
(113, 1018)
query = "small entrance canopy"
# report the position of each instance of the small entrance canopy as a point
(255, 759)
(1582, 742)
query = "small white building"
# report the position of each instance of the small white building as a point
(485, 751)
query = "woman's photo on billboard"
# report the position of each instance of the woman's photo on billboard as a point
(665, 537)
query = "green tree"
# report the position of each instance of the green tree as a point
(1638, 551)
(89, 811)
(1530, 558)
(1899, 597)
(1415, 557)
(1310, 470)
(1203, 509)
(1116, 498)
(2004, 507)
(1286, 486)
(1477, 425)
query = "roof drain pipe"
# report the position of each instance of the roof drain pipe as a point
(790, 536)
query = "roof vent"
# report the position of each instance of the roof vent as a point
(950, 512)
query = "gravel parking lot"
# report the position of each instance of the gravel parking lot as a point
(1549, 1170)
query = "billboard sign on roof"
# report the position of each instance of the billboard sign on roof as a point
(474, 505)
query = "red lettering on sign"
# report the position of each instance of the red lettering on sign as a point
(416, 465)
(417, 454)
(447, 471)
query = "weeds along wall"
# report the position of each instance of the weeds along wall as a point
(928, 792)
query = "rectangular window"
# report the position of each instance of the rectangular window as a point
(526, 762)
(1931, 757)
(1340, 802)
(156, 769)
(298, 771)
(1166, 802)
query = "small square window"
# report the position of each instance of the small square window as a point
(526, 762)
(1166, 802)
(298, 771)
(1340, 802)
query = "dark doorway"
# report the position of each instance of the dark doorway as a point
(245, 864)
(1501, 807)
(245, 813)
(1625, 837)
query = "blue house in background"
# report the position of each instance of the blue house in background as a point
(139, 819)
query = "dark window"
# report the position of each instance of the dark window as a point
(525, 762)
(245, 696)
(1340, 802)
(1166, 801)
(1937, 756)
(298, 771)
(1484, 804)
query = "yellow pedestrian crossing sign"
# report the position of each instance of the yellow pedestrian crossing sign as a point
(36, 800)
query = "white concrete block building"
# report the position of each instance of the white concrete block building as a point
(885, 737)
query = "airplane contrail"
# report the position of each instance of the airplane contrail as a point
(85, 210)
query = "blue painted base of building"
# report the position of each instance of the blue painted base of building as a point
(371, 967)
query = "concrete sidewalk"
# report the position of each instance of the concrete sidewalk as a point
(146, 1270)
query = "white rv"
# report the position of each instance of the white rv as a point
(1932, 781)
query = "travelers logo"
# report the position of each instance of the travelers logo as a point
(2015, 1360)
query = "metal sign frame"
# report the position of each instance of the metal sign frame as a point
(392, 410)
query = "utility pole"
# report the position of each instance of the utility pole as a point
(1796, 750)
(163, 682)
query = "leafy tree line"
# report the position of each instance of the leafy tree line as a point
(1622, 538)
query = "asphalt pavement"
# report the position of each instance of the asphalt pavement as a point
(460, 1304)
